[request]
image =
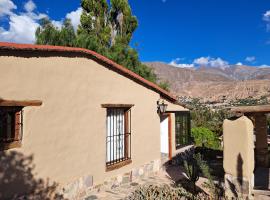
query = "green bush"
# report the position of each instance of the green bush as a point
(203, 137)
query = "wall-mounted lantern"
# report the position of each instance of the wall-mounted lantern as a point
(161, 107)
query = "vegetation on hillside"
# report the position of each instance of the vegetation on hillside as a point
(206, 124)
(203, 116)
(250, 101)
(106, 29)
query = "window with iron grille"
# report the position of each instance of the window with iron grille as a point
(182, 129)
(118, 139)
(10, 127)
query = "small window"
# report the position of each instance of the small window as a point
(182, 129)
(118, 138)
(10, 127)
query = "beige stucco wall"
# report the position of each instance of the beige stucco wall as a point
(238, 138)
(66, 135)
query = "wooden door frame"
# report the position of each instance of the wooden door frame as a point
(169, 133)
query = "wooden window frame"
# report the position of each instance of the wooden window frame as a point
(120, 162)
(16, 130)
(188, 133)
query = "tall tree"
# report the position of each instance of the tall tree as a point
(67, 34)
(122, 21)
(94, 31)
(47, 33)
(106, 29)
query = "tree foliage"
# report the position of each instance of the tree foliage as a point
(203, 116)
(203, 137)
(106, 29)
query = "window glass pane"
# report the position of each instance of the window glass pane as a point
(10, 125)
(182, 129)
(2, 124)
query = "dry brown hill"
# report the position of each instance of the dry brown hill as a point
(234, 82)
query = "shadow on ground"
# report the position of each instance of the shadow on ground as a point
(17, 179)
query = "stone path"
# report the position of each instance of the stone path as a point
(124, 190)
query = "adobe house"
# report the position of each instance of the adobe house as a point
(81, 119)
(246, 154)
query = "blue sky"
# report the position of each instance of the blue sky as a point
(184, 33)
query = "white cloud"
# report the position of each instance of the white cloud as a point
(75, 17)
(266, 16)
(57, 24)
(239, 63)
(202, 61)
(6, 7)
(250, 59)
(211, 62)
(21, 29)
(29, 6)
(23, 25)
(176, 63)
(264, 66)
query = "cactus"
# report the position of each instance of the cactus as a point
(192, 169)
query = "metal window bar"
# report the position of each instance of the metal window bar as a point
(118, 137)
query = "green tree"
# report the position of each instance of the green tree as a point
(47, 33)
(122, 21)
(106, 29)
(202, 116)
(205, 138)
(94, 32)
(67, 34)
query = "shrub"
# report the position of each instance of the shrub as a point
(163, 192)
(205, 138)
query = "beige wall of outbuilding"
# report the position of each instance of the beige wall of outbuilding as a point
(67, 134)
(238, 140)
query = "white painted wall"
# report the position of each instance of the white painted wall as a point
(164, 135)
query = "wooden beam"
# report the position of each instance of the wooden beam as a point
(23, 103)
(117, 105)
(118, 165)
(170, 135)
(251, 109)
(10, 145)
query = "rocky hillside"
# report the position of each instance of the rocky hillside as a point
(234, 82)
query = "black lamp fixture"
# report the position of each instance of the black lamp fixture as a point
(161, 107)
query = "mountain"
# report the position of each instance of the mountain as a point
(213, 83)
(238, 72)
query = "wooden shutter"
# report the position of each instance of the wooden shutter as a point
(18, 124)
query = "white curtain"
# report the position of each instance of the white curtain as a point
(115, 134)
